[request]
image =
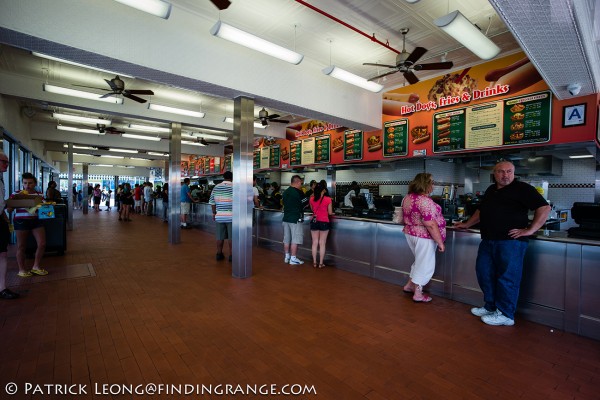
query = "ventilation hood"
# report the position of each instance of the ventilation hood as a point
(540, 166)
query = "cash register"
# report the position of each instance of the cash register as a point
(587, 215)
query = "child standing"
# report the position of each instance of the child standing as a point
(108, 196)
(79, 199)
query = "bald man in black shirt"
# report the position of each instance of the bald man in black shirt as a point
(504, 225)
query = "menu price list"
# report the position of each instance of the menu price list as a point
(449, 131)
(256, 160)
(274, 158)
(395, 138)
(527, 119)
(295, 153)
(353, 145)
(228, 160)
(322, 149)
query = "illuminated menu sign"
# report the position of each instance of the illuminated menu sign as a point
(228, 162)
(206, 165)
(256, 159)
(322, 149)
(274, 156)
(353, 145)
(295, 153)
(395, 138)
(516, 121)
(264, 157)
(308, 151)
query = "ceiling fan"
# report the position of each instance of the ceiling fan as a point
(264, 118)
(221, 4)
(108, 129)
(117, 87)
(407, 62)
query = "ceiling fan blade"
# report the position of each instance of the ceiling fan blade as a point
(134, 98)
(284, 121)
(112, 85)
(108, 95)
(380, 65)
(148, 92)
(221, 4)
(382, 75)
(430, 66)
(410, 77)
(272, 116)
(92, 87)
(417, 53)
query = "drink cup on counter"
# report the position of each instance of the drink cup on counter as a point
(460, 212)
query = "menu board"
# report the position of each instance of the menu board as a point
(308, 151)
(395, 138)
(274, 155)
(515, 121)
(228, 162)
(322, 149)
(264, 157)
(192, 170)
(295, 152)
(206, 165)
(256, 159)
(185, 172)
(216, 165)
(353, 145)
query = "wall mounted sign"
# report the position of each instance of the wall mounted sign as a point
(573, 115)
(295, 153)
(353, 145)
(322, 149)
(274, 156)
(395, 137)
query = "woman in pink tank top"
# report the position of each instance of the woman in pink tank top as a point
(320, 204)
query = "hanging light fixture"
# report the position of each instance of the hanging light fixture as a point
(81, 94)
(460, 28)
(355, 80)
(233, 34)
(174, 110)
(158, 8)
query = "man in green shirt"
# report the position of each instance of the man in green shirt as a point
(294, 202)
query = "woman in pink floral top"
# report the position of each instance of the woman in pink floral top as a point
(425, 229)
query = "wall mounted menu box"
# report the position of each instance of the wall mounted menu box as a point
(256, 159)
(274, 156)
(185, 172)
(264, 157)
(295, 153)
(353, 145)
(322, 149)
(515, 121)
(228, 162)
(308, 151)
(395, 137)
(206, 165)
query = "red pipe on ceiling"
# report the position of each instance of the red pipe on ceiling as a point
(339, 21)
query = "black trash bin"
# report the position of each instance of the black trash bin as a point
(56, 233)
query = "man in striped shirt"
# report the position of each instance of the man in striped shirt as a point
(221, 200)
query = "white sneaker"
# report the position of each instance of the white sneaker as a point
(497, 318)
(480, 311)
(295, 261)
(286, 259)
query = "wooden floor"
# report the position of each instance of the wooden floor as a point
(171, 314)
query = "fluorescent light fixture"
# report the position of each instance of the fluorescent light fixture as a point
(256, 124)
(191, 143)
(411, 1)
(109, 156)
(349, 77)
(228, 32)
(81, 94)
(62, 60)
(173, 110)
(215, 137)
(125, 166)
(153, 153)
(82, 130)
(81, 147)
(141, 137)
(460, 28)
(158, 8)
(122, 150)
(83, 120)
(77, 163)
(103, 165)
(583, 156)
(147, 128)
(138, 158)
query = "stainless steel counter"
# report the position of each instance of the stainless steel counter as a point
(561, 279)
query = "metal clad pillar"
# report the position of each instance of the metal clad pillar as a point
(243, 137)
(84, 187)
(174, 183)
(70, 204)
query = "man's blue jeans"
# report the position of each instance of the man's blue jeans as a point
(499, 269)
